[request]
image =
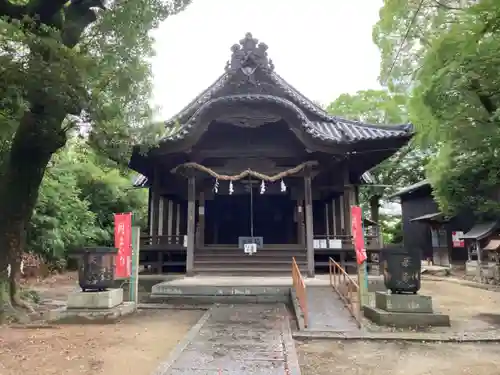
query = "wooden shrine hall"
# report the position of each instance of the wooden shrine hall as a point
(252, 173)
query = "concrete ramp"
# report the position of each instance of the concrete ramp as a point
(236, 340)
(327, 311)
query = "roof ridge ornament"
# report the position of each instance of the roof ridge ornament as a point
(249, 55)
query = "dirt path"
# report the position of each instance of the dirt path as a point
(391, 358)
(134, 346)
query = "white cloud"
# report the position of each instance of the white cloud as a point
(322, 47)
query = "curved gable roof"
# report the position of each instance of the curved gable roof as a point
(250, 56)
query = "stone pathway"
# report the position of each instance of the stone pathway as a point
(239, 339)
(327, 311)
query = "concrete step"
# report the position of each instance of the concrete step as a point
(250, 260)
(239, 270)
(204, 294)
(261, 252)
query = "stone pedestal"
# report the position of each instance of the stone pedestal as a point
(96, 300)
(93, 307)
(404, 310)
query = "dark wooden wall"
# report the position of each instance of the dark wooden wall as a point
(417, 235)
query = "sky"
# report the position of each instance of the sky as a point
(321, 47)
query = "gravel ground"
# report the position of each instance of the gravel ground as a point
(135, 346)
(472, 311)
(397, 358)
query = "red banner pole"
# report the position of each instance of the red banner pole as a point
(123, 242)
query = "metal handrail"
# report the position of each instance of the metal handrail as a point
(300, 290)
(346, 288)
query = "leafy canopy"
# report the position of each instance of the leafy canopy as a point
(450, 66)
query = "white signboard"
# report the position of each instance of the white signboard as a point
(335, 244)
(456, 238)
(250, 248)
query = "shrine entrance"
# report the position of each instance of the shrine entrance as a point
(229, 217)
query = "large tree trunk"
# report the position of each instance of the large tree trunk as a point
(39, 135)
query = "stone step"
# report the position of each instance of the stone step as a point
(260, 252)
(167, 289)
(250, 260)
(238, 270)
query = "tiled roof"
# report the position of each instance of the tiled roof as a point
(327, 128)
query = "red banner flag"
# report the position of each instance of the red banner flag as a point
(123, 242)
(357, 234)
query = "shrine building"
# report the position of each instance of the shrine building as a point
(252, 173)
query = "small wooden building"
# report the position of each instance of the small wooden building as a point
(426, 229)
(253, 161)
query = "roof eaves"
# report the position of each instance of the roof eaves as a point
(410, 189)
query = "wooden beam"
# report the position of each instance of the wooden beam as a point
(239, 153)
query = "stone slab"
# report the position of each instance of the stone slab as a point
(327, 311)
(405, 319)
(95, 300)
(203, 300)
(98, 316)
(236, 339)
(166, 288)
(414, 303)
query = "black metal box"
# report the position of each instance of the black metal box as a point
(96, 267)
(401, 269)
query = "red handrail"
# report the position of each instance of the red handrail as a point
(300, 290)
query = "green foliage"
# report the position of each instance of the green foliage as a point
(451, 66)
(382, 107)
(72, 67)
(77, 201)
(392, 230)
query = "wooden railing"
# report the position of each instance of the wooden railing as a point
(372, 238)
(347, 289)
(174, 241)
(300, 290)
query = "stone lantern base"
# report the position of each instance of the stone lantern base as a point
(95, 300)
(404, 311)
(93, 307)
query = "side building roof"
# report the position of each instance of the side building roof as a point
(424, 184)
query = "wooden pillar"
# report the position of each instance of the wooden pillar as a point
(334, 219)
(191, 225)
(178, 219)
(150, 211)
(156, 206)
(201, 218)
(347, 210)
(170, 222)
(300, 223)
(342, 216)
(309, 226)
(327, 224)
(161, 215)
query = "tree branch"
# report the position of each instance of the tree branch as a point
(42, 11)
(446, 6)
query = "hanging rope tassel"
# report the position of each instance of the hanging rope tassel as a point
(231, 188)
(262, 187)
(283, 186)
(216, 186)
